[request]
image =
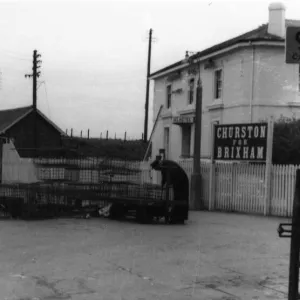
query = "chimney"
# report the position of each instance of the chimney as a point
(276, 24)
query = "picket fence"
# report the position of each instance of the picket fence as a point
(241, 187)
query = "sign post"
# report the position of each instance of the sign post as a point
(292, 56)
(268, 174)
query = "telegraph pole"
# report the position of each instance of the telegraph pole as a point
(196, 176)
(35, 74)
(147, 88)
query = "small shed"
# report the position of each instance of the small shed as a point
(30, 130)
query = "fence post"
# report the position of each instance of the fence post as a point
(212, 177)
(268, 174)
(231, 202)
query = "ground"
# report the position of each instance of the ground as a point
(214, 256)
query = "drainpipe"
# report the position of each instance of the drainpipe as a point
(252, 84)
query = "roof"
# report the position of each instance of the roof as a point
(10, 117)
(259, 34)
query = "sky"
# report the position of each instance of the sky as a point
(94, 53)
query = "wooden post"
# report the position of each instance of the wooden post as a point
(295, 244)
(125, 136)
(195, 185)
(81, 133)
(88, 134)
(107, 134)
(212, 177)
(268, 171)
(71, 132)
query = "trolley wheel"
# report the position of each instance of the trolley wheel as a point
(116, 211)
(142, 215)
(172, 217)
(169, 214)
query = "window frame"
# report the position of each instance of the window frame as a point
(191, 92)
(218, 90)
(169, 96)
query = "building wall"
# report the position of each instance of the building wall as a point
(275, 81)
(23, 134)
(257, 83)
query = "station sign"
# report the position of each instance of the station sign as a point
(183, 120)
(292, 45)
(241, 142)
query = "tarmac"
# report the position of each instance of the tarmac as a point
(213, 256)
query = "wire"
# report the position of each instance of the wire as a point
(17, 57)
(49, 112)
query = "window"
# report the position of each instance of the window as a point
(218, 84)
(166, 141)
(169, 95)
(186, 140)
(191, 91)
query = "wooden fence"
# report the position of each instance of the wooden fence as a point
(241, 187)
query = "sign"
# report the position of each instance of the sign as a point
(246, 142)
(292, 45)
(183, 120)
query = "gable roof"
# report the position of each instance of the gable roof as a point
(10, 117)
(259, 34)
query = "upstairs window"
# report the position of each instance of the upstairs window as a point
(191, 91)
(169, 95)
(218, 84)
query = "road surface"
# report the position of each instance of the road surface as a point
(214, 256)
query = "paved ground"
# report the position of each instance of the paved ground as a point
(215, 256)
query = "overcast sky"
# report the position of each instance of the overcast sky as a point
(94, 53)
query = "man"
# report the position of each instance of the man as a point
(174, 175)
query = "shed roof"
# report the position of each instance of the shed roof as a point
(10, 117)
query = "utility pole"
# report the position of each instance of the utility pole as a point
(35, 74)
(147, 88)
(196, 176)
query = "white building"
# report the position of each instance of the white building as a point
(244, 79)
